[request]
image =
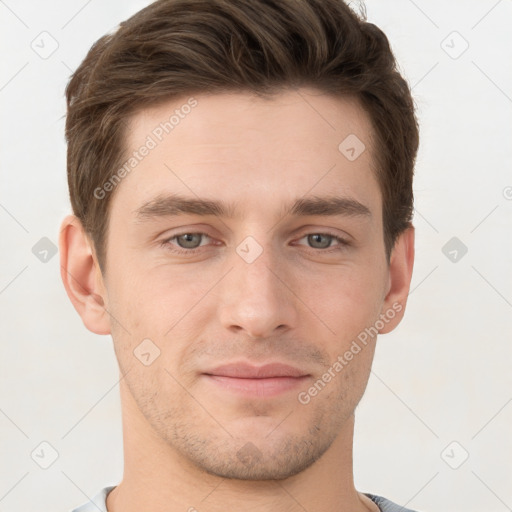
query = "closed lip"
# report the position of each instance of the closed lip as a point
(248, 371)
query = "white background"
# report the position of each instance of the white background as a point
(444, 375)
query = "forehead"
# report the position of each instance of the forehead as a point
(230, 117)
(249, 149)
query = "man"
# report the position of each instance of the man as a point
(241, 180)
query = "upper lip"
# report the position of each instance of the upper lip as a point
(247, 371)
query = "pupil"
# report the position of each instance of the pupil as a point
(317, 239)
(188, 239)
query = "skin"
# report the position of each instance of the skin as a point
(295, 303)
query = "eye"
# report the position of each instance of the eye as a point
(324, 241)
(189, 240)
(186, 243)
(189, 243)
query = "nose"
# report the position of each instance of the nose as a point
(257, 297)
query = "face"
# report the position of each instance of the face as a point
(247, 239)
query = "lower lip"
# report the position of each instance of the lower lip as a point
(262, 388)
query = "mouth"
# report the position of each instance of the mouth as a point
(257, 381)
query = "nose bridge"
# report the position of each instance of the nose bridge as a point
(255, 268)
(254, 298)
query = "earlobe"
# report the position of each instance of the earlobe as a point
(400, 274)
(82, 277)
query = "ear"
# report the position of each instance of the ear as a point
(399, 282)
(81, 275)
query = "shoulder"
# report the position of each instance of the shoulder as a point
(386, 505)
(96, 504)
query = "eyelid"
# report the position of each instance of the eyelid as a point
(342, 242)
(167, 241)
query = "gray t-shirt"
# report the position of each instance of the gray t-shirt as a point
(99, 503)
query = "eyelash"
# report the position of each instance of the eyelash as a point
(191, 252)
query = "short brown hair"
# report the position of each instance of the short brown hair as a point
(177, 47)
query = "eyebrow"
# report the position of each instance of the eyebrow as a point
(175, 204)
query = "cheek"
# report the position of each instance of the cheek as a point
(346, 299)
(150, 303)
(157, 315)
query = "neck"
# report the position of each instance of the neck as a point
(158, 478)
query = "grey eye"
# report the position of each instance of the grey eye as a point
(189, 240)
(316, 240)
